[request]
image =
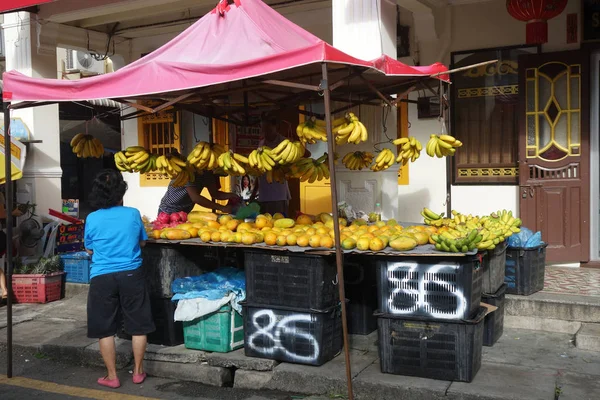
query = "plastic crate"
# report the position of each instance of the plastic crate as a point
(361, 293)
(435, 349)
(434, 287)
(37, 288)
(77, 266)
(493, 325)
(493, 268)
(220, 332)
(525, 270)
(168, 331)
(292, 335)
(294, 280)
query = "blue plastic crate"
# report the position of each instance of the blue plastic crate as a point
(77, 266)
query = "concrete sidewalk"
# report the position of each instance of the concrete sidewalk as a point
(524, 364)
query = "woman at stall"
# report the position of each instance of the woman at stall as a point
(114, 236)
(184, 198)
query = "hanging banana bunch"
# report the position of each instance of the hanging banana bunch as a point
(358, 160)
(262, 159)
(205, 155)
(349, 130)
(170, 164)
(311, 130)
(232, 163)
(86, 146)
(288, 152)
(311, 170)
(442, 146)
(410, 150)
(188, 174)
(384, 160)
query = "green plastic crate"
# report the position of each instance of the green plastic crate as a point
(219, 332)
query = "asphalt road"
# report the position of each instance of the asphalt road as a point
(37, 377)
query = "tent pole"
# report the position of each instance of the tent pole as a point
(9, 233)
(336, 226)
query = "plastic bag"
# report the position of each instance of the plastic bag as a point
(534, 241)
(345, 211)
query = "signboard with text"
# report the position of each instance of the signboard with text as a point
(590, 20)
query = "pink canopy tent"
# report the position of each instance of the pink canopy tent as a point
(247, 39)
(237, 58)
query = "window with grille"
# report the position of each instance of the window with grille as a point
(484, 116)
(160, 134)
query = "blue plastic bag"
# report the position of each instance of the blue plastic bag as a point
(534, 241)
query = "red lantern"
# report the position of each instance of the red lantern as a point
(536, 13)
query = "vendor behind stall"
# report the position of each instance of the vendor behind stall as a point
(273, 197)
(186, 197)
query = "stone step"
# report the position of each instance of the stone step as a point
(551, 312)
(588, 337)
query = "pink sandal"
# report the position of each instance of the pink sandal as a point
(109, 383)
(139, 378)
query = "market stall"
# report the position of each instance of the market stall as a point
(222, 67)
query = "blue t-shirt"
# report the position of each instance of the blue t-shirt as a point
(114, 235)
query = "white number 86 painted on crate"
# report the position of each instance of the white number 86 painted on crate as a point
(275, 330)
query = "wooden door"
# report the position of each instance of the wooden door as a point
(554, 152)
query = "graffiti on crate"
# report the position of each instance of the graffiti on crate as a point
(272, 331)
(428, 289)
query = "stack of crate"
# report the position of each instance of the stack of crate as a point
(525, 269)
(293, 312)
(493, 291)
(430, 322)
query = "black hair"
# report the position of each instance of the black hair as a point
(108, 189)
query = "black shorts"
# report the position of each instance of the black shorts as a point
(115, 296)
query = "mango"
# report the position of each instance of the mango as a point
(421, 237)
(348, 244)
(376, 244)
(304, 220)
(403, 243)
(197, 216)
(363, 243)
(284, 223)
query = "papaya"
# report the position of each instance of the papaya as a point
(284, 223)
(177, 234)
(403, 243)
(197, 216)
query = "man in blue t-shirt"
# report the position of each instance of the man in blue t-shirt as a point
(114, 236)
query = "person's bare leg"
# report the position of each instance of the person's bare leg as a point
(3, 288)
(109, 355)
(139, 349)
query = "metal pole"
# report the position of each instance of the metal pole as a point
(336, 227)
(9, 233)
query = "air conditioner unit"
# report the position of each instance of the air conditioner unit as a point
(84, 62)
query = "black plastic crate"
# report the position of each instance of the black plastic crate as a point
(297, 280)
(525, 270)
(168, 331)
(361, 293)
(165, 263)
(435, 349)
(493, 264)
(493, 325)
(434, 287)
(292, 335)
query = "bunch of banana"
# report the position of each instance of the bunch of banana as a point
(288, 152)
(431, 218)
(121, 162)
(311, 130)
(310, 170)
(86, 146)
(350, 130)
(358, 160)
(457, 241)
(205, 155)
(411, 150)
(170, 165)
(442, 146)
(262, 159)
(384, 160)
(231, 163)
(277, 174)
(186, 175)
